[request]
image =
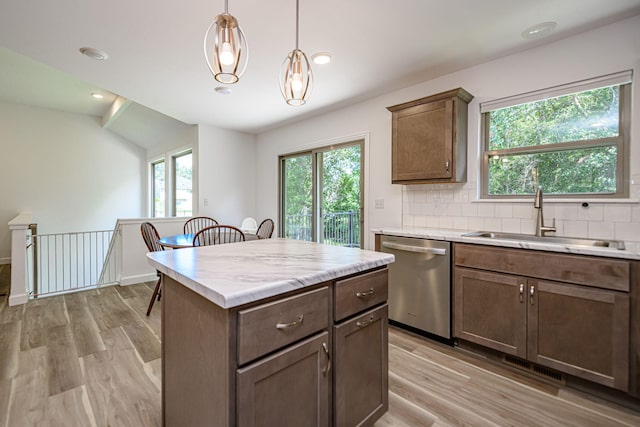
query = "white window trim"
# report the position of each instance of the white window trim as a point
(168, 157)
(621, 78)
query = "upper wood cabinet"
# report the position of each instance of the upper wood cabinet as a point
(429, 139)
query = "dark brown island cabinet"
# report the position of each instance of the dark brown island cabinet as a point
(429, 139)
(571, 313)
(316, 356)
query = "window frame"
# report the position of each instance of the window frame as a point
(168, 158)
(152, 170)
(316, 184)
(621, 142)
(174, 181)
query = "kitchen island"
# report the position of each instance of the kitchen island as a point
(273, 332)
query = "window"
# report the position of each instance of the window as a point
(182, 184)
(157, 188)
(172, 184)
(571, 140)
(321, 195)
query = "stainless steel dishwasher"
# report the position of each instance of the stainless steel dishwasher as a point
(420, 283)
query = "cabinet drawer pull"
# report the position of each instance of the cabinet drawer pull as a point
(365, 322)
(293, 324)
(521, 292)
(326, 352)
(365, 294)
(532, 291)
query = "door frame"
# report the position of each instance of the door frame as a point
(323, 146)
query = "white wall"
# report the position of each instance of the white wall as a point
(226, 174)
(66, 169)
(602, 51)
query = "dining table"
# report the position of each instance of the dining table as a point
(186, 240)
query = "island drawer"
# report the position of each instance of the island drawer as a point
(359, 293)
(271, 326)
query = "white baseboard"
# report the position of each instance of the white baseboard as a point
(18, 299)
(6, 260)
(134, 280)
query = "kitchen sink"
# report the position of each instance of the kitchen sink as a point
(613, 244)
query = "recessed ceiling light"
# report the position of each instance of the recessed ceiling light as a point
(93, 53)
(97, 95)
(539, 30)
(321, 58)
(223, 90)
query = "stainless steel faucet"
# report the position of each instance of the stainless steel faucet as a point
(541, 229)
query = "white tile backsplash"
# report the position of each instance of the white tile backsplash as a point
(456, 207)
(593, 212)
(620, 213)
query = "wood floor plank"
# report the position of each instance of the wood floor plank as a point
(139, 304)
(86, 333)
(146, 343)
(64, 368)
(125, 291)
(39, 315)
(108, 309)
(29, 394)
(154, 372)
(119, 390)
(10, 314)
(9, 349)
(68, 409)
(404, 413)
(5, 394)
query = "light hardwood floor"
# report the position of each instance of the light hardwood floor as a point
(93, 359)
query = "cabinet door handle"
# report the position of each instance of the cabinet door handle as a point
(365, 322)
(289, 325)
(446, 165)
(532, 291)
(368, 293)
(521, 292)
(326, 352)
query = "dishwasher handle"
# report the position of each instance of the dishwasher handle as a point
(418, 249)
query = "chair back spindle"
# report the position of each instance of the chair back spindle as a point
(218, 235)
(265, 230)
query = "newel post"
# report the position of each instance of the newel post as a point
(19, 226)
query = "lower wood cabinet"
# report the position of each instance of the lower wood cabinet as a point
(361, 368)
(316, 357)
(580, 330)
(289, 388)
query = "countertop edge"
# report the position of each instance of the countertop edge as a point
(254, 292)
(457, 236)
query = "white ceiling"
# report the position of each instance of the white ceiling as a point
(156, 56)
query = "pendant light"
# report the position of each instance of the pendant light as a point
(296, 78)
(228, 46)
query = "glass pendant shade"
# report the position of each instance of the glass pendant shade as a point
(296, 78)
(226, 49)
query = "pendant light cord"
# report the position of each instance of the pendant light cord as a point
(297, 21)
(226, 7)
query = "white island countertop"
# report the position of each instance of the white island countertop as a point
(632, 250)
(238, 273)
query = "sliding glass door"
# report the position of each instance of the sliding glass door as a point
(321, 195)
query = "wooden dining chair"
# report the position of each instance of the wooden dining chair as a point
(218, 235)
(265, 229)
(198, 223)
(150, 236)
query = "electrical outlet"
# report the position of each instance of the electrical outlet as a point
(379, 203)
(206, 202)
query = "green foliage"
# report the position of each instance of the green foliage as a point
(341, 179)
(298, 185)
(582, 116)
